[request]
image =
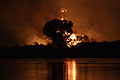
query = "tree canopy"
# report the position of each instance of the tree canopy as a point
(56, 29)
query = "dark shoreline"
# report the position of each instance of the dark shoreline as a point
(60, 53)
(83, 50)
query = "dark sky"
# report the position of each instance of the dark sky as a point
(22, 20)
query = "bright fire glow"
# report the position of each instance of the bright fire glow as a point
(62, 14)
(73, 36)
(63, 10)
(62, 18)
(73, 39)
(32, 39)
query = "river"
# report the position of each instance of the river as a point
(60, 69)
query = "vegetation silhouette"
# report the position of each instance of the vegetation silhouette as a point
(55, 29)
(82, 50)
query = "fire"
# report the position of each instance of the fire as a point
(63, 10)
(62, 14)
(73, 39)
(62, 18)
(34, 39)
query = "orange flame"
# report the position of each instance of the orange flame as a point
(62, 14)
(73, 39)
(63, 10)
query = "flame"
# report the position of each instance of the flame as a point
(35, 38)
(62, 14)
(63, 10)
(73, 39)
(62, 18)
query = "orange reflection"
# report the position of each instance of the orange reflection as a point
(71, 70)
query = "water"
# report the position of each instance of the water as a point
(60, 69)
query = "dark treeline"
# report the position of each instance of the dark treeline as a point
(57, 30)
(87, 49)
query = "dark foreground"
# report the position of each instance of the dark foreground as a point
(85, 50)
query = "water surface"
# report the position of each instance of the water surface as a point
(60, 69)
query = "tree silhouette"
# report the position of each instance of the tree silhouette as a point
(86, 39)
(56, 29)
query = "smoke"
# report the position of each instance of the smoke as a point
(96, 18)
(22, 21)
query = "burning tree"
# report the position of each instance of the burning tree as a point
(59, 31)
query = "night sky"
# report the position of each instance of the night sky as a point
(22, 21)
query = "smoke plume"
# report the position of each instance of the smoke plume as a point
(22, 21)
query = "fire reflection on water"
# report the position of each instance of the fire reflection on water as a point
(71, 70)
(58, 69)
